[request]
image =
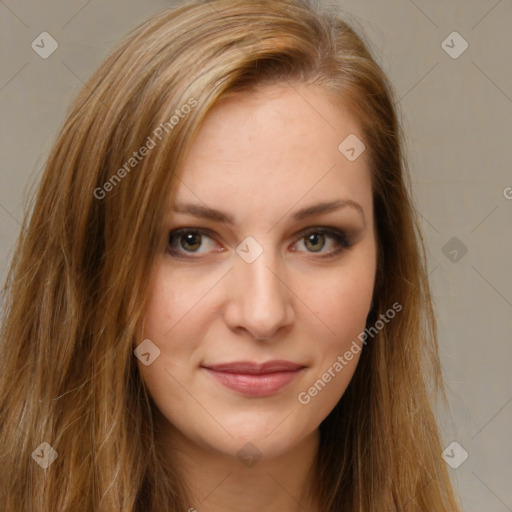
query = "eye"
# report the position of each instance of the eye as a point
(188, 241)
(316, 239)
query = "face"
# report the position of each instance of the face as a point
(271, 259)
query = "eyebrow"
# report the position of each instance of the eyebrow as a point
(205, 212)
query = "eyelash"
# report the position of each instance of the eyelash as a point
(340, 238)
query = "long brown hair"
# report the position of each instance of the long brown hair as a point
(80, 278)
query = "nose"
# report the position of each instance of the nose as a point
(260, 301)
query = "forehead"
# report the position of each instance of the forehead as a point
(271, 148)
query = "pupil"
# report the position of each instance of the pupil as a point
(190, 240)
(314, 239)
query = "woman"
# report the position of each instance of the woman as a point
(219, 301)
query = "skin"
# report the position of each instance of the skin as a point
(260, 157)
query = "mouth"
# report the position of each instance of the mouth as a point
(255, 379)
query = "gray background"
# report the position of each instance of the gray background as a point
(458, 116)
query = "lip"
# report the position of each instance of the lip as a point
(248, 367)
(255, 379)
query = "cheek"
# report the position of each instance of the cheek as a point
(343, 303)
(343, 306)
(158, 317)
(171, 293)
(166, 325)
(171, 304)
(179, 295)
